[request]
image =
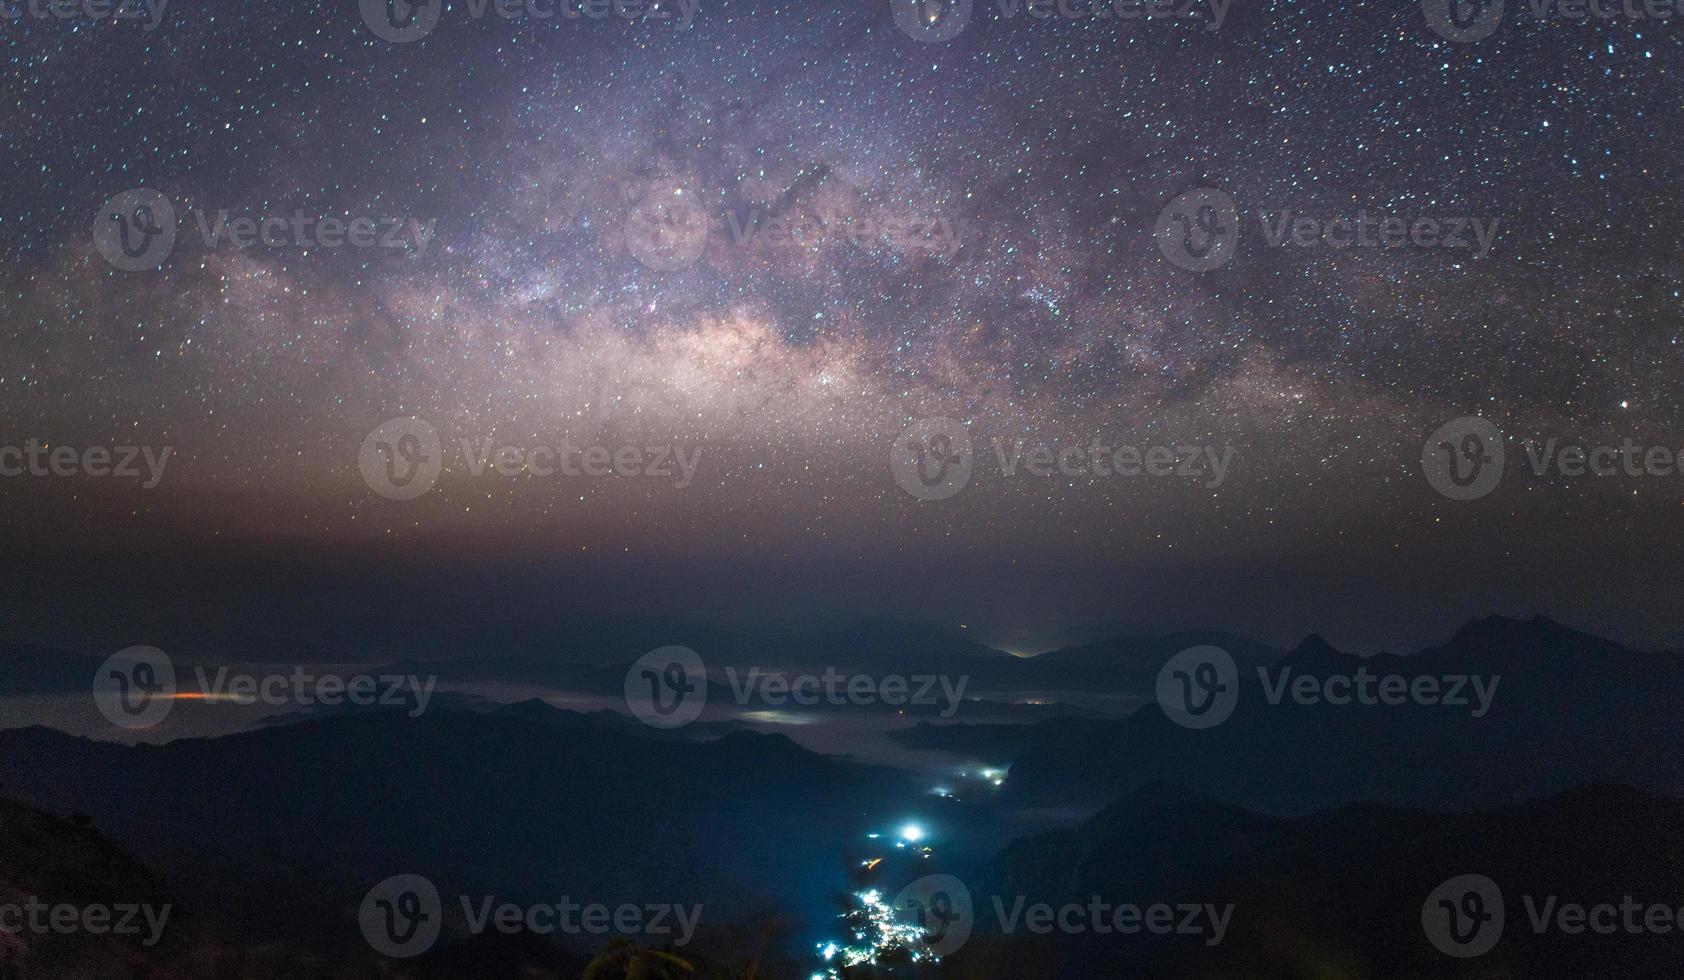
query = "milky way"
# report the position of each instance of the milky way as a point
(958, 228)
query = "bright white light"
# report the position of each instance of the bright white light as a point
(912, 833)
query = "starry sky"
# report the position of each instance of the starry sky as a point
(1048, 147)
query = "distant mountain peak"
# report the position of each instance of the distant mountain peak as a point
(530, 707)
(1536, 635)
(1314, 646)
(745, 737)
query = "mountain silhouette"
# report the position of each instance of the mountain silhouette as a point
(1567, 708)
(1341, 892)
(481, 803)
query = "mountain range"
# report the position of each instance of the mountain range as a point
(1565, 708)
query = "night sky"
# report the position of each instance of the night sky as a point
(1049, 147)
